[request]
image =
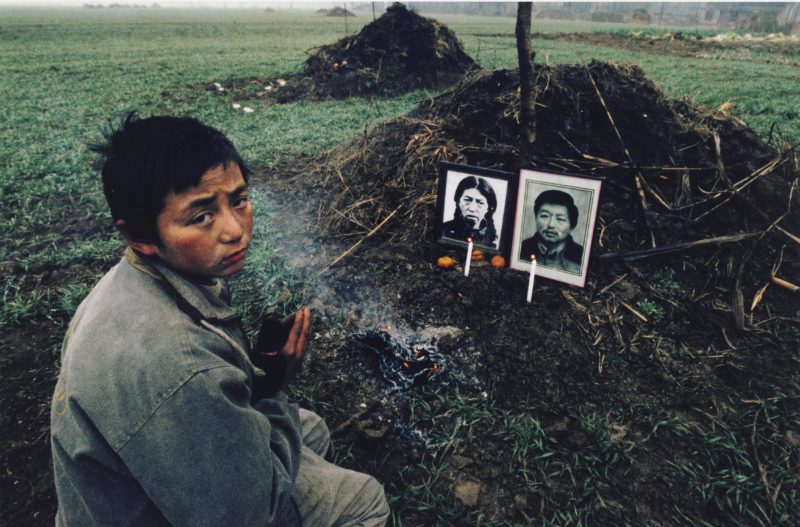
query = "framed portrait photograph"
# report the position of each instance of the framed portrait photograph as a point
(475, 203)
(555, 217)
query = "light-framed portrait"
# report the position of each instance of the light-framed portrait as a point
(476, 203)
(555, 217)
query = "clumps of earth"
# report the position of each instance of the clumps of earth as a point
(335, 11)
(702, 173)
(399, 52)
(679, 313)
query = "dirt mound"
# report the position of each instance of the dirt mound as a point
(704, 173)
(399, 52)
(336, 11)
(660, 353)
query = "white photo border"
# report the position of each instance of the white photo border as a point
(533, 182)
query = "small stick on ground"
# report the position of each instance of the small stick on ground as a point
(788, 285)
(736, 189)
(612, 284)
(636, 313)
(791, 236)
(667, 249)
(720, 164)
(359, 242)
(771, 497)
(371, 102)
(353, 419)
(788, 209)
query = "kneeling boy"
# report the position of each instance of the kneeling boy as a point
(160, 415)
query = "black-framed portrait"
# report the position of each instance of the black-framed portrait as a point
(475, 203)
(555, 218)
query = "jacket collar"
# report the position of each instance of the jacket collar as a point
(206, 299)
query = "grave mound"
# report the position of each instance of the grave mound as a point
(399, 52)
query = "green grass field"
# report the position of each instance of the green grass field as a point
(68, 73)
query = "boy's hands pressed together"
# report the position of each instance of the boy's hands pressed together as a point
(279, 351)
(296, 343)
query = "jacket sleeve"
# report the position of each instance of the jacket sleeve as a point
(207, 456)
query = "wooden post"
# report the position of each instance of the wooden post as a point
(526, 55)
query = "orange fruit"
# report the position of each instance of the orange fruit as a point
(477, 255)
(498, 261)
(445, 262)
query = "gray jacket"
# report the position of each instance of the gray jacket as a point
(151, 421)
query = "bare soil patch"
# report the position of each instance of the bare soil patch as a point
(28, 367)
(27, 494)
(783, 51)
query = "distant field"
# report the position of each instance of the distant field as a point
(67, 73)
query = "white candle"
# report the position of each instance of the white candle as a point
(469, 257)
(533, 275)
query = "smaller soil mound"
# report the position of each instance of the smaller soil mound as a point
(399, 52)
(337, 11)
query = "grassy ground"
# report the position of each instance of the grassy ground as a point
(68, 72)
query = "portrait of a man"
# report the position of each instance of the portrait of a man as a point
(554, 221)
(556, 216)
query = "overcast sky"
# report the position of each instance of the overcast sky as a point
(179, 3)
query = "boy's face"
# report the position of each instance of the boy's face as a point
(205, 230)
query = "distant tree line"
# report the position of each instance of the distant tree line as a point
(120, 6)
(751, 16)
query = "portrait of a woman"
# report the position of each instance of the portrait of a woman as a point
(475, 205)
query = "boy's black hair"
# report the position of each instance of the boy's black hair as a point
(147, 159)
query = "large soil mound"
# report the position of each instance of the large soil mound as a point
(670, 346)
(703, 173)
(399, 52)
